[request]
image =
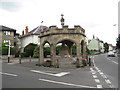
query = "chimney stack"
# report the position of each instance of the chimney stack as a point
(23, 32)
(26, 30)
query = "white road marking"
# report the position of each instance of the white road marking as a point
(114, 62)
(8, 74)
(62, 74)
(99, 86)
(108, 81)
(93, 73)
(104, 76)
(91, 69)
(57, 75)
(101, 73)
(97, 80)
(69, 84)
(111, 86)
(111, 60)
(95, 76)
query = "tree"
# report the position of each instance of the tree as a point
(46, 51)
(87, 51)
(106, 47)
(58, 48)
(36, 52)
(29, 50)
(4, 49)
(74, 50)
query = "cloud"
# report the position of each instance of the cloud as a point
(10, 5)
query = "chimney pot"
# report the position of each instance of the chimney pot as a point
(23, 32)
(26, 30)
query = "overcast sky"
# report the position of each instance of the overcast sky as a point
(97, 17)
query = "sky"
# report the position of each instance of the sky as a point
(97, 17)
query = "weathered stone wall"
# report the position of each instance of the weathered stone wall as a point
(55, 35)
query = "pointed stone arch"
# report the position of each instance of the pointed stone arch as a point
(63, 35)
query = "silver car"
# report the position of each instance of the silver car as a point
(111, 54)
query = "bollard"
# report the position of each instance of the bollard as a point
(30, 59)
(19, 59)
(57, 63)
(89, 61)
(8, 59)
(77, 63)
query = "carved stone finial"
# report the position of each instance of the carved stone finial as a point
(62, 20)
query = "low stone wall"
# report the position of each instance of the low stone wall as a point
(6, 56)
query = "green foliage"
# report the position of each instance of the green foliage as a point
(58, 48)
(88, 51)
(5, 49)
(46, 51)
(29, 50)
(106, 47)
(74, 50)
(36, 52)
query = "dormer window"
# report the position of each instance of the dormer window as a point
(7, 32)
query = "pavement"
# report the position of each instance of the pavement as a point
(29, 63)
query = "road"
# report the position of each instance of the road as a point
(104, 74)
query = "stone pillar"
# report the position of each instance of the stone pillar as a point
(78, 50)
(41, 58)
(79, 54)
(70, 49)
(53, 55)
(84, 50)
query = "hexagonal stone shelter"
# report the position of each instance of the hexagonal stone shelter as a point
(67, 36)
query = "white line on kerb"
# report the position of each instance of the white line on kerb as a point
(97, 80)
(8, 74)
(93, 73)
(108, 81)
(104, 76)
(91, 69)
(101, 73)
(99, 86)
(95, 76)
(57, 75)
(69, 84)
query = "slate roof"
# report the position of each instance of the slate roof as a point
(38, 29)
(4, 28)
(35, 31)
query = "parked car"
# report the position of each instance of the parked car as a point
(111, 54)
(115, 51)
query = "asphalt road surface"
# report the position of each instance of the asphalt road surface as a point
(104, 74)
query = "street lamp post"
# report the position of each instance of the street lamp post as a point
(9, 52)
